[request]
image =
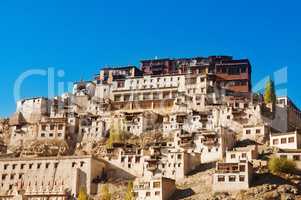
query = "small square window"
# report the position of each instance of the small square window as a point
(291, 140)
(283, 141)
(221, 178)
(232, 178)
(156, 185)
(296, 157)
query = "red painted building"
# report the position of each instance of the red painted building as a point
(234, 75)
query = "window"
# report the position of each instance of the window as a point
(82, 164)
(51, 127)
(233, 156)
(56, 165)
(30, 166)
(258, 131)
(232, 178)
(39, 165)
(241, 178)
(157, 193)
(50, 134)
(21, 176)
(14, 166)
(4, 176)
(242, 168)
(22, 166)
(117, 98)
(233, 70)
(248, 131)
(275, 141)
(243, 155)
(42, 134)
(6, 166)
(296, 157)
(243, 69)
(12, 177)
(221, 178)
(156, 185)
(47, 165)
(44, 127)
(61, 127)
(283, 141)
(291, 140)
(148, 194)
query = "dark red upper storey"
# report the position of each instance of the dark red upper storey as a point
(234, 75)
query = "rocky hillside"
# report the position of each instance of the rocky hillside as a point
(198, 185)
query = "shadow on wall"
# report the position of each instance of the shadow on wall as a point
(203, 167)
(182, 194)
(115, 173)
(268, 178)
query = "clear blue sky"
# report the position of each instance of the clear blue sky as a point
(81, 36)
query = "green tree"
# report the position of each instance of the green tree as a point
(82, 194)
(281, 165)
(269, 92)
(105, 193)
(130, 192)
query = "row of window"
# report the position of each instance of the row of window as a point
(295, 157)
(28, 166)
(5, 177)
(37, 165)
(174, 165)
(243, 155)
(53, 127)
(284, 140)
(155, 79)
(148, 194)
(257, 131)
(51, 135)
(222, 178)
(146, 96)
(231, 70)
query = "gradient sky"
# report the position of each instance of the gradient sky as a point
(81, 36)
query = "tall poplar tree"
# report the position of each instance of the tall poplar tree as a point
(269, 93)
